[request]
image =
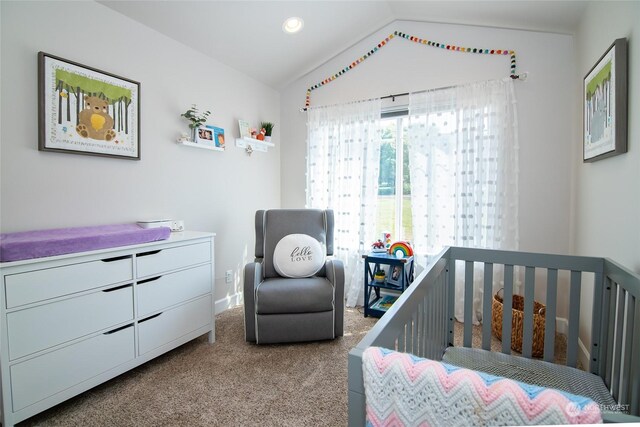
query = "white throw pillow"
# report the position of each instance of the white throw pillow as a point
(298, 255)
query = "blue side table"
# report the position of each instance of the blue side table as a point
(399, 276)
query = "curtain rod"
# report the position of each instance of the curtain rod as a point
(522, 76)
(394, 96)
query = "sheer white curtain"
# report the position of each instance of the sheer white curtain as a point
(342, 174)
(464, 171)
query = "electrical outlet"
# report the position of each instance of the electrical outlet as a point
(228, 276)
(177, 225)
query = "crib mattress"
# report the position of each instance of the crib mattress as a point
(45, 243)
(531, 371)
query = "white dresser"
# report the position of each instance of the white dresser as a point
(71, 322)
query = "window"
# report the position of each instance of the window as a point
(394, 184)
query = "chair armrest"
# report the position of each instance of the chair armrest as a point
(253, 276)
(334, 269)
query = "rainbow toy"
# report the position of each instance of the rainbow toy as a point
(403, 247)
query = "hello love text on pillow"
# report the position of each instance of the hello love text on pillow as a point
(298, 255)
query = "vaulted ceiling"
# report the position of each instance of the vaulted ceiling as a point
(248, 36)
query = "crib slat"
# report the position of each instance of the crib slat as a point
(527, 332)
(429, 310)
(441, 321)
(613, 292)
(625, 377)
(634, 389)
(617, 346)
(409, 335)
(451, 299)
(442, 318)
(430, 313)
(507, 305)
(408, 327)
(468, 303)
(574, 319)
(487, 299)
(598, 325)
(436, 316)
(424, 327)
(430, 325)
(550, 317)
(420, 330)
(417, 331)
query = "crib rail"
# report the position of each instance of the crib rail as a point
(416, 323)
(421, 321)
(618, 361)
(488, 260)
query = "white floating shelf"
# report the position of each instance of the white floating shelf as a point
(254, 144)
(206, 147)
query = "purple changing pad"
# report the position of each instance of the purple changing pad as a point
(44, 243)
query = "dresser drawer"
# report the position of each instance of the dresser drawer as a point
(44, 326)
(39, 285)
(157, 262)
(46, 375)
(173, 324)
(159, 292)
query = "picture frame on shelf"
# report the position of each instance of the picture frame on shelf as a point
(605, 105)
(218, 136)
(245, 130)
(394, 275)
(84, 110)
(204, 136)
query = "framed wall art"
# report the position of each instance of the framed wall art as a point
(83, 110)
(605, 105)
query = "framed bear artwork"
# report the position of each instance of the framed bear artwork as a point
(83, 110)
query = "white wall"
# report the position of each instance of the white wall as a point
(607, 191)
(211, 191)
(545, 108)
(607, 194)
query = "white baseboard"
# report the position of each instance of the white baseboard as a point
(562, 327)
(583, 356)
(228, 302)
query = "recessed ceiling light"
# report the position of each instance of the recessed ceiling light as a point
(292, 25)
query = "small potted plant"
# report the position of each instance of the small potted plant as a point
(268, 127)
(379, 276)
(196, 118)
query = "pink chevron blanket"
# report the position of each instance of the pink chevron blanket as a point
(405, 390)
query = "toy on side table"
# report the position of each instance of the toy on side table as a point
(378, 247)
(386, 239)
(401, 249)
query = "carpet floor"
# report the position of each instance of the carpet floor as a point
(232, 383)
(229, 383)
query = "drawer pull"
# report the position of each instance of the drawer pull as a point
(117, 288)
(118, 329)
(141, 282)
(149, 253)
(150, 317)
(117, 258)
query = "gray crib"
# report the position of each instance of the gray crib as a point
(421, 322)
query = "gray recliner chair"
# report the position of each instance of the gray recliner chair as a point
(280, 309)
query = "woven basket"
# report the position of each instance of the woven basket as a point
(517, 322)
